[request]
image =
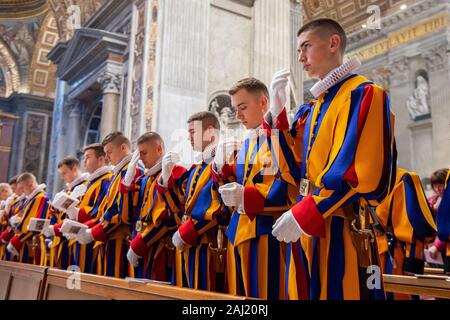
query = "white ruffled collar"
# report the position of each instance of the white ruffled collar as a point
(335, 76)
(36, 191)
(122, 164)
(155, 169)
(207, 154)
(256, 132)
(81, 178)
(99, 172)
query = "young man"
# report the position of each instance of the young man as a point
(13, 211)
(114, 225)
(347, 161)
(70, 172)
(150, 254)
(198, 232)
(86, 257)
(255, 258)
(30, 246)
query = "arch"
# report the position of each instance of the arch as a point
(9, 69)
(92, 134)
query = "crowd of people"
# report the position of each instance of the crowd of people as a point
(306, 210)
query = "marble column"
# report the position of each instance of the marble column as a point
(73, 125)
(439, 80)
(110, 111)
(272, 38)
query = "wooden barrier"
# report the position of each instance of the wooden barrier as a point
(434, 271)
(28, 282)
(424, 285)
(90, 287)
(21, 281)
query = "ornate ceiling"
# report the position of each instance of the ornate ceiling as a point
(14, 9)
(352, 14)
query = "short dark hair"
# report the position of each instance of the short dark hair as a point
(69, 162)
(327, 27)
(250, 84)
(13, 180)
(116, 138)
(97, 148)
(27, 176)
(150, 136)
(439, 176)
(207, 118)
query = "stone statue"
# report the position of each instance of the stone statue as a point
(417, 103)
(224, 113)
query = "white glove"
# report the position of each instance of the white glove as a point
(11, 249)
(133, 258)
(168, 163)
(14, 221)
(9, 202)
(177, 241)
(433, 250)
(131, 171)
(286, 228)
(85, 236)
(79, 191)
(72, 212)
(223, 151)
(233, 195)
(278, 92)
(2, 205)
(48, 243)
(49, 231)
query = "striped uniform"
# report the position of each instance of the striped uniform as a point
(152, 235)
(404, 213)
(195, 267)
(7, 231)
(113, 229)
(59, 250)
(31, 245)
(344, 144)
(255, 258)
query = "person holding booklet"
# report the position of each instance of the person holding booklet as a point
(29, 245)
(88, 256)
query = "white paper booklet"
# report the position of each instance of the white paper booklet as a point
(72, 227)
(37, 225)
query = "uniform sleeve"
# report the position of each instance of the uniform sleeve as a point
(89, 213)
(407, 213)
(362, 164)
(39, 208)
(210, 204)
(286, 145)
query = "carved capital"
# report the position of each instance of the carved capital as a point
(111, 83)
(435, 58)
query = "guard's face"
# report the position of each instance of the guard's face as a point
(250, 108)
(195, 130)
(313, 54)
(4, 193)
(68, 174)
(114, 153)
(150, 152)
(14, 188)
(91, 162)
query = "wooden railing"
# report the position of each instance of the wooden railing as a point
(437, 286)
(28, 282)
